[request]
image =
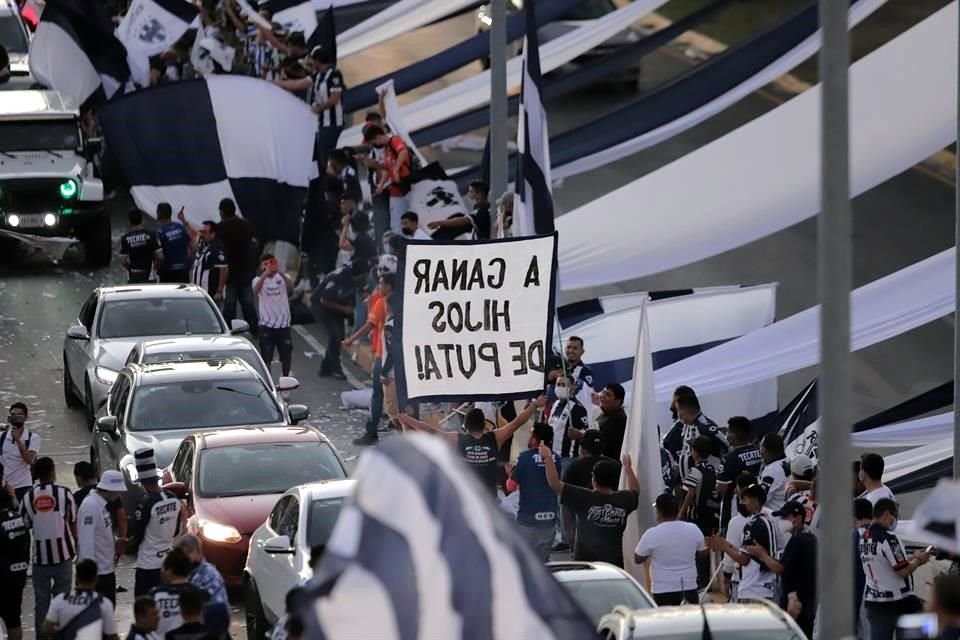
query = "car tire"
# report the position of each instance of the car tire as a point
(70, 396)
(97, 242)
(257, 626)
(89, 410)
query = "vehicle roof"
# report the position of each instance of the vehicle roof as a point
(37, 105)
(721, 617)
(189, 343)
(145, 291)
(325, 489)
(584, 571)
(194, 371)
(258, 435)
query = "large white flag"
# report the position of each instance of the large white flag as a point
(642, 443)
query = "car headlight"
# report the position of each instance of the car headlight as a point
(68, 189)
(105, 375)
(219, 532)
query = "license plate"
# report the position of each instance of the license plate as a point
(30, 220)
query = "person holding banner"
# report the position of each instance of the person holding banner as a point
(479, 447)
(568, 419)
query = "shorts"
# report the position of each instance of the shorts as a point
(12, 601)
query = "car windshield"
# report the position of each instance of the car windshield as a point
(599, 597)
(206, 404)
(42, 135)
(247, 355)
(322, 517)
(158, 317)
(254, 469)
(11, 35)
(584, 10)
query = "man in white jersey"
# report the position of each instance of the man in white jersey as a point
(889, 591)
(156, 522)
(176, 580)
(776, 470)
(871, 475)
(272, 287)
(82, 608)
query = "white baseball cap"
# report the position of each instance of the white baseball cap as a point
(112, 481)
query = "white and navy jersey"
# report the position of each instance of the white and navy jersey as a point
(326, 84)
(883, 554)
(756, 580)
(702, 480)
(208, 266)
(156, 523)
(773, 477)
(272, 302)
(67, 606)
(679, 442)
(167, 597)
(50, 511)
(95, 533)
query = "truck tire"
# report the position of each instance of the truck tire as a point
(97, 242)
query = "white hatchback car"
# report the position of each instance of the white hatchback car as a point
(279, 555)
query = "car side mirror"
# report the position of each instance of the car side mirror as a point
(178, 489)
(287, 383)
(107, 424)
(298, 413)
(239, 326)
(92, 146)
(278, 544)
(78, 332)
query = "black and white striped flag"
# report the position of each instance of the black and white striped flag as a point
(195, 142)
(74, 51)
(149, 28)
(420, 551)
(533, 206)
(294, 15)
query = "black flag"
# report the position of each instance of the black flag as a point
(325, 35)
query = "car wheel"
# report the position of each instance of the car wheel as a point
(257, 627)
(88, 405)
(70, 396)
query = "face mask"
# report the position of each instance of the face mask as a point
(386, 248)
(785, 526)
(893, 525)
(16, 421)
(563, 392)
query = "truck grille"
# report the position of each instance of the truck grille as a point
(32, 195)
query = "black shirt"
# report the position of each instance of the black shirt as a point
(139, 634)
(188, 631)
(236, 236)
(14, 542)
(799, 575)
(580, 472)
(481, 455)
(364, 254)
(601, 520)
(139, 245)
(481, 220)
(613, 425)
(734, 463)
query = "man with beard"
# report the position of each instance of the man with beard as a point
(210, 270)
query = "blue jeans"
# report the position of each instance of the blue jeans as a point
(376, 401)
(240, 289)
(48, 581)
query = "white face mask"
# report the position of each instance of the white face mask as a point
(785, 526)
(563, 392)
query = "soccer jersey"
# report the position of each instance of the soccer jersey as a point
(773, 477)
(167, 597)
(50, 511)
(883, 554)
(155, 524)
(756, 579)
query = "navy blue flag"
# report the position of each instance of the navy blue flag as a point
(420, 551)
(533, 210)
(325, 35)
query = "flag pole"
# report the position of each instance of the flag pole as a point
(834, 279)
(498, 99)
(956, 325)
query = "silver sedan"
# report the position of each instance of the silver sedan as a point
(115, 319)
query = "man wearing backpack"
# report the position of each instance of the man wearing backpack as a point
(83, 606)
(18, 450)
(395, 172)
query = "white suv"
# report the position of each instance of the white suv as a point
(279, 554)
(47, 181)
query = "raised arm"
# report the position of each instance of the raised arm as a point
(412, 423)
(506, 432)
(632, 483)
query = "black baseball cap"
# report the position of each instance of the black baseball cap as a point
(792, 508)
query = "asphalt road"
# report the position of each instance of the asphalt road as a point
(904, 220)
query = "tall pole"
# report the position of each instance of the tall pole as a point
(498, 98)
(956, 316)
(834, 279)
